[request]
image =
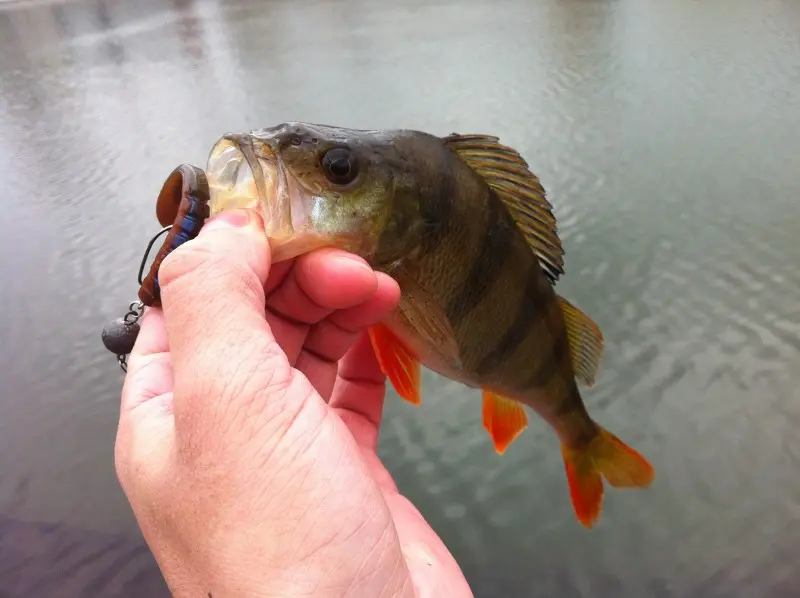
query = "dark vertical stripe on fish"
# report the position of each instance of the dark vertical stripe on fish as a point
(496, 245)
(530, 309)
(437, 210)
(570, 403)
(573, 415)
(552, 364)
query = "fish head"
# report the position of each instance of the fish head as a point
(317, 186)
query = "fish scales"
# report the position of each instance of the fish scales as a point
(468, 270)
(475, 265)
(497, 299)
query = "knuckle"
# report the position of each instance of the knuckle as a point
(132, 467)
(140, 461)
(186, 260)
(197, 262)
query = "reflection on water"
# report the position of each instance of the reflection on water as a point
(668, 137)
(55, 560)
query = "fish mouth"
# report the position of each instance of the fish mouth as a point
(245, 172)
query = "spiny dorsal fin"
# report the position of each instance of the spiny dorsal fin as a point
(508, 175)
(585, 342)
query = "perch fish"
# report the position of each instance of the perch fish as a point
(464, 227)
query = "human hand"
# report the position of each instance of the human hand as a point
(247, 449)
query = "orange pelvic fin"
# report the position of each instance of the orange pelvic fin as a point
(605, 456)
(503, 418)
(397, 363)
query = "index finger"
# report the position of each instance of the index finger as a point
(149, 367)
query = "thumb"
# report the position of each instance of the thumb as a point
(222, 348)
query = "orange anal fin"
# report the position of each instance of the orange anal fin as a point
(503, 418)
(606, 456)
(397, 363)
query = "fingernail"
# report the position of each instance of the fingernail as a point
(349, 258)
(228, 219)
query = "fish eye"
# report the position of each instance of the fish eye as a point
(339, 165)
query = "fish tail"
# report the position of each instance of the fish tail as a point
(605, 456)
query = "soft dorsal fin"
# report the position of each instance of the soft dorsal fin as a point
(585, 342)
(519, 189)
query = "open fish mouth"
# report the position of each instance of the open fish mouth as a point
(240, 177)
(245, 172)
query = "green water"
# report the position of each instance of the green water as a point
(667, 134)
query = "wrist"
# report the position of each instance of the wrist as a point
(332, 571)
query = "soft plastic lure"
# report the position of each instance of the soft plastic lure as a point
(182, 209)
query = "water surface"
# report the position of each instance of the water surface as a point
(667, 135)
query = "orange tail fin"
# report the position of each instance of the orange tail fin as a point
(606, 456)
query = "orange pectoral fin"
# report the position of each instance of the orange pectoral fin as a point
(503, 418)
(397, 363)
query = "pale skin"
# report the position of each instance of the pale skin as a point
(249, 425)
